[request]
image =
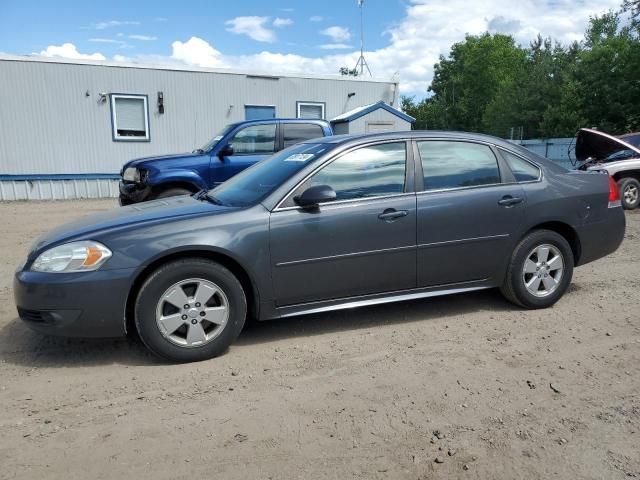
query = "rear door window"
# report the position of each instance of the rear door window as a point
(454, 164)
(299, 132)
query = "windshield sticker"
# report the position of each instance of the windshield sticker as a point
(299, 157)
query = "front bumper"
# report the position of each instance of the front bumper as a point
(133, 193)
(86, 304)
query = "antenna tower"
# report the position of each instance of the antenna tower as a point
(362, 63)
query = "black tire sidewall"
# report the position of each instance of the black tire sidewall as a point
(622, 184)
(160, 280)
(521, 253)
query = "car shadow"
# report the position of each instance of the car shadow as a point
(19, 345)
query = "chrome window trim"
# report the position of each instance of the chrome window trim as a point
(345, 203)
(278, 208)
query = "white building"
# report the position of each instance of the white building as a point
(67, 126)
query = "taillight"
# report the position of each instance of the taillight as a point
(614, 193)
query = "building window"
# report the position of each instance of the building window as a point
(310, 110)
(130, 118)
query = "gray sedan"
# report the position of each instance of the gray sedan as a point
(332, 223)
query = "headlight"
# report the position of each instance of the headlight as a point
(131, 174)
(72, 257)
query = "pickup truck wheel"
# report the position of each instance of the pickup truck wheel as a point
(172, 192)
(629, 193)
(190, 309)
(540, 270)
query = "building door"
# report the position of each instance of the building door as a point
(259, 112)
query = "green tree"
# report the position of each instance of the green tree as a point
(471, 77)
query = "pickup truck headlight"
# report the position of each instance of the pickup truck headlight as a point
(83, 256)
(131, 174)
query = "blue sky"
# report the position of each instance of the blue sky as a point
(402, 37)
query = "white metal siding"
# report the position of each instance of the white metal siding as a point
(48, 124)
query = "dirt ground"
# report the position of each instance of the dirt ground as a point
(487, 389)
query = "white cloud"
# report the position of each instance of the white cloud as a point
(334, 46)
(282, 22)
(427, 30)
(337, 34)
(196, 51)
(160, 19)
(253, 27)
(145, 38)
(69, 50)
(113, 23)
(105, 40)
(316, 18)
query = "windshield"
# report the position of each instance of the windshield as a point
(214, 141)
(255, 183)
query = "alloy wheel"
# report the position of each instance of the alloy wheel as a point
(543, 270)
(630, 194)
(192, 312)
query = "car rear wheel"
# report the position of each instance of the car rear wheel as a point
(540, 270)
(629, 193)
(172, 192)
(190, 310)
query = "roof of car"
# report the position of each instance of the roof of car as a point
(317, 121)
(338, 139)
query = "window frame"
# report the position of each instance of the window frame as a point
(276, 143)
(409, 172)
(314, 104)
(114, 117)
(506, 176)
(506, 162)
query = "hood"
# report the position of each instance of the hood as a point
(134, 215)
(140, 162)
(599, 146)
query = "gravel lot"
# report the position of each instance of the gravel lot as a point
(487, 389)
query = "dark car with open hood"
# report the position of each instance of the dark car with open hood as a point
(618, 156)
(337, 222)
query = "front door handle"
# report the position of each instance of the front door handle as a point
(508, 201)
(391, 214)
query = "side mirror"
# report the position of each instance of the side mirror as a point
(313, 196)
(226, 151)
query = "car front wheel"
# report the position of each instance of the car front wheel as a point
(190, 310)
(629, 193)
(540, 270)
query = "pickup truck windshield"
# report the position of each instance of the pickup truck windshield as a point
(214, 141)
(255, 183)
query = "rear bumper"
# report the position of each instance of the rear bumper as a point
(88, 304)
(133, 193)
(599, 239)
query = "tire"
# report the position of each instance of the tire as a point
(172, 192)
(184, 334)
(629, 193)
(515, 288)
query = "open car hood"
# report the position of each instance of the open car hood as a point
(593, 145)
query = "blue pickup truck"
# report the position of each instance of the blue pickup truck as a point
(237, 147)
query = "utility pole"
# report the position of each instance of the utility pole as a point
(362, 63)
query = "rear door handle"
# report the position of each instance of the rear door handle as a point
(508, 201)
(391, 214)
